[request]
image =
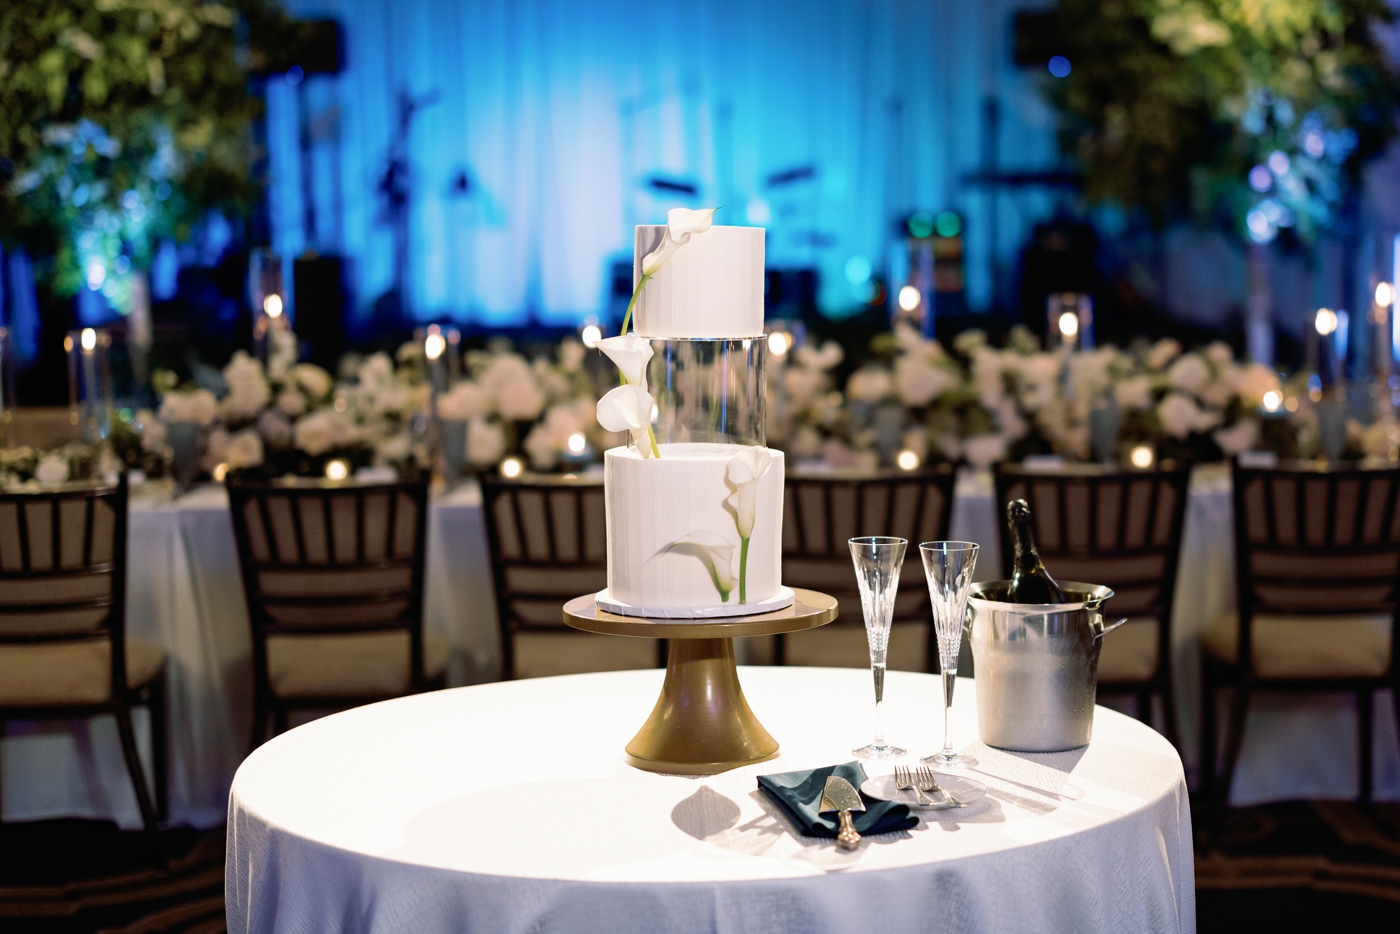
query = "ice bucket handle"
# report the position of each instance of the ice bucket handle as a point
(1100, 630)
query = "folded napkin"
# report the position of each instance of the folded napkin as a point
(799, 795)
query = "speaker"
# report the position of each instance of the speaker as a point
(318, 284)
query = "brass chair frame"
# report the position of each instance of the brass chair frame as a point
(1098, 485)
(320, 494)
(123, 696)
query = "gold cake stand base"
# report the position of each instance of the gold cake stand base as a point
(702, 724)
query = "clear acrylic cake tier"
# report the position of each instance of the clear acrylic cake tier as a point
(708, 390)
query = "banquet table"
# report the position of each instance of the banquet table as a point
(508, 807)
(186, 594)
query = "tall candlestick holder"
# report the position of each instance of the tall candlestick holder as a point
(90, 382)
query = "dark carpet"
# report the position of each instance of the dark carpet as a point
(1301, 866)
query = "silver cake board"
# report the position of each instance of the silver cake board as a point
(779, 601)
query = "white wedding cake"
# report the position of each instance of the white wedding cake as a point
(695, 502)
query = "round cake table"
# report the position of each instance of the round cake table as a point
(509, 807)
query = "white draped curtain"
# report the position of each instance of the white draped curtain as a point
(822, 120)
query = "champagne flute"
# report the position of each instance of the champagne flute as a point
(878, 559)
(948, 567)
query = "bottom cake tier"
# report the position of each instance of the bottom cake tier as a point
(676, 528)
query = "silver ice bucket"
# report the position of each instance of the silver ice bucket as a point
(1037, 666)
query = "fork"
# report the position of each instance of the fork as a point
(929, 783)
(904, 781)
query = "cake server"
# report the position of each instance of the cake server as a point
(838, 796)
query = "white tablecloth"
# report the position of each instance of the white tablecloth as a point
(186, 594)
(507, 808)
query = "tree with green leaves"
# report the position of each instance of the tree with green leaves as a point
(122, 123)
(1265, 109)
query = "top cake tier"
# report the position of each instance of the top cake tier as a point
(712, 286)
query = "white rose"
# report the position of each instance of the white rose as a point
(52, 470)
(982, 450)
(152, 431)
(571, 354)
(511, 386)
(466, 401)
(1039, 380)
(1219, 353)
(198, 407)
(216, 451)
(1180, 416)
(1239, 437)
(987, 375)
(315, 434)
(542, 447)
(869, 384)
(316, 382)
(1189, 374)
(919, 382)
(802, 384)
(1252, 382)
(395, 447)
(245, 449)
(1162, 353)
(377, 372)
(805, 442)
(822, 359)
(486, 442)
(275, 429)
(1133, 393)
(1009, 419)
(291, 402)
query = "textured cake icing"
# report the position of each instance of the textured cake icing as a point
(711, 287)
(675, 523)
(695, 502)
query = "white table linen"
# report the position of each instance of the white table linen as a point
(185, 593)
(507, 807)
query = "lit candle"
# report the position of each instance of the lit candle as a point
(88, 341)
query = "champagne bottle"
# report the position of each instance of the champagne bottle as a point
(1030, 582)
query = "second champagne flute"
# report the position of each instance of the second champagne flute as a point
(948, 567)
(878, 559)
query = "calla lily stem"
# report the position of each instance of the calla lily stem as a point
(743, 570)
(627, 316)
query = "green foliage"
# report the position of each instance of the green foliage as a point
(121, 123)
(1171, 103)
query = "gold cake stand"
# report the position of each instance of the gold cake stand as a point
(702, 724)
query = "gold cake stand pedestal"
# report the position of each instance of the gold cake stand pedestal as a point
(702, 724)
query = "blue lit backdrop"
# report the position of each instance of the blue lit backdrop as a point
(823, 121)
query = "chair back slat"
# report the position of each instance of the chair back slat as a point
(1318, 542)
(321, 558)
(821, 513)
(1117, 528)
(63, 567)
(548, 542)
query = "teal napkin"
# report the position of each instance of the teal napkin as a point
(799, 795)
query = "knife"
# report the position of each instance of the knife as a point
(839, 796)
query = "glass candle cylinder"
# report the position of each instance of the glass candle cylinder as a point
(268, 297)
(90, 382)
(708, 390)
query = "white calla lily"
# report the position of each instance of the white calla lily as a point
(716, 551)
(744, 471)
(628, 408)
(631, 354)
(681, 224)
